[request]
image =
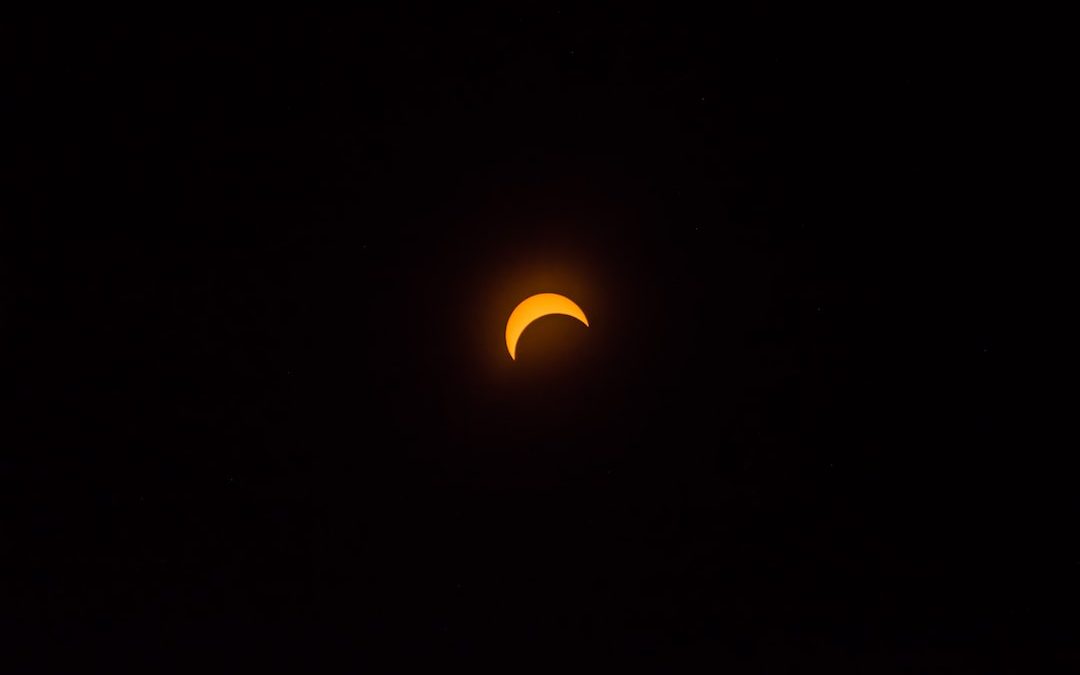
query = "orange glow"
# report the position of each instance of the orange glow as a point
(534, 307)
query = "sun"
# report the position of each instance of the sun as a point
(532, 308)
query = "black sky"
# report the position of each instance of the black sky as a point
(253, 324)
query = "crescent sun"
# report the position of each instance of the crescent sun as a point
(534, 307)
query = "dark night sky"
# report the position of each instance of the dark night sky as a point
(254, 315)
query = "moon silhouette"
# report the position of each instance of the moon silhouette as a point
(534, 307)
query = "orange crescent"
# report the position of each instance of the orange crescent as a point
(534, 307)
